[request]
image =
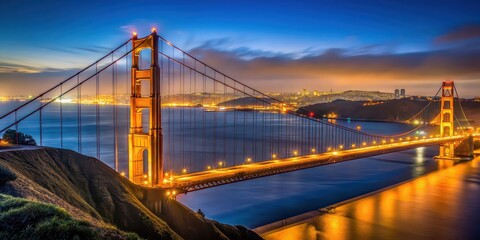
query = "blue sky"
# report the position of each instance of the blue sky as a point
(409, 38)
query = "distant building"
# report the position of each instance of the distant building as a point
(397, 94)
(402, 93)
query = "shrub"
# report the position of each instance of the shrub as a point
(6, 175)
(200, 212)
(12, 136)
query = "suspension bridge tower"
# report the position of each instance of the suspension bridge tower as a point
(145, 145)
(446, 119)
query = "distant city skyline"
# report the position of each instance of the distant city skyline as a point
(269, 45)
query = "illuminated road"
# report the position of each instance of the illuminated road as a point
(224, 175)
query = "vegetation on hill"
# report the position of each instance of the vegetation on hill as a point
(92, 192)
(14, 137)
(388, 110)
(25, 219)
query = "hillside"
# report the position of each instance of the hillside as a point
(92, 192)
(388, 110)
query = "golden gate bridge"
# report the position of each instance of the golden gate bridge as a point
(182, 125)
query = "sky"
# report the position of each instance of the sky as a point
(270, 45)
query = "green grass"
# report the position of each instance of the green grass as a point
(24, 219)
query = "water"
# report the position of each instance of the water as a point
(192, 140)
(442, 205)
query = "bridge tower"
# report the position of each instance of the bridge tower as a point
(446, 119)
(145, 146)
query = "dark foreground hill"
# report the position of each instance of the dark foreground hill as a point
(87, 195)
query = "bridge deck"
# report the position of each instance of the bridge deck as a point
(205, 179)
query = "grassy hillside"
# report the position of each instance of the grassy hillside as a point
(26, 219)
(91, 191)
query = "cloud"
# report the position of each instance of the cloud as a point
(459, 34)
(371, 67)
(17, 68)
(94, 49)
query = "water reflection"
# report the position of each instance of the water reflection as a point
(442, 205)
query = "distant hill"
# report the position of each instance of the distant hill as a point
(90, 191)
(246, 101)
(386, 110)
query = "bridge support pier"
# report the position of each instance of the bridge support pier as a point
(145, 151)
(448, 150)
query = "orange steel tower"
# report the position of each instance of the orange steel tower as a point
(145, 145)
(446, 119)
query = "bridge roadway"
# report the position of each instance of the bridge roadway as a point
(200, 180)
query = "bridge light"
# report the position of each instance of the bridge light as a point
(208, 167)
(364, 144)
(341, 146)
(184, 170)
(174, 192)
(122, 174)
(134, 34)
(295, 153)
(313, 150)
(353, 145)
(359, 127)
(145, 176)
(384, 141)
(249, 159)
(168, 193)
(220, 163)
(154, 30)
(374, 142)
(416, 138)
(329, 149)
(145, 182)
(400, 139)
(274, 156)
(335, 153)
